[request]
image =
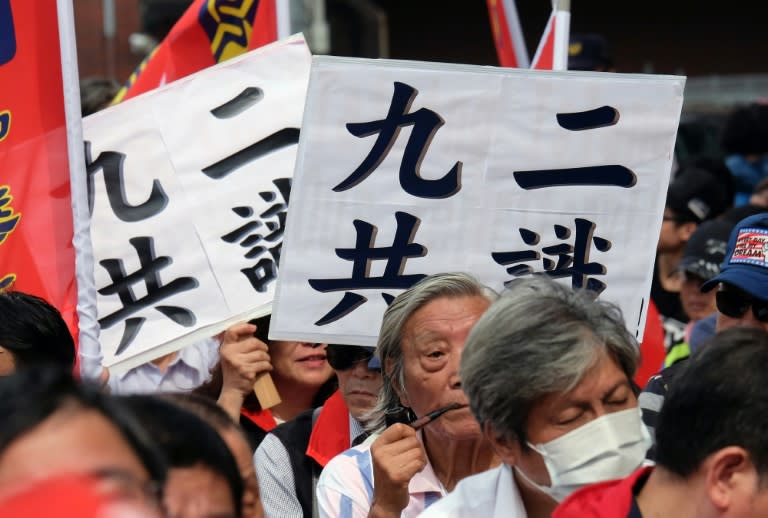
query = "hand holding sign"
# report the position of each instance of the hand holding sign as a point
(245, 366)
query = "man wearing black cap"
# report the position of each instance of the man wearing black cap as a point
(589, 51)
(703, 253)
(741, 299)
(694, 196)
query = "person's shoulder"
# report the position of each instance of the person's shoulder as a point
(347, 477)
(360, 455)
(480, 481)
(304, 420)
(133, 381)
(611, 499)
(473, 496)
(353, 463)
(203, 353)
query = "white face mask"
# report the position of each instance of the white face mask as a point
(607, 448)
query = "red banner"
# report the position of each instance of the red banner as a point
(507, 33)
(36, 251)
(210, 31)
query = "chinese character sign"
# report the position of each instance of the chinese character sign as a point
(405, 170)
(188, 188)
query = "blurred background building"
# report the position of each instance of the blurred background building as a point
(718, 46)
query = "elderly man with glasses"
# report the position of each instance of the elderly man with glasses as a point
(291, 457)
(741, 299)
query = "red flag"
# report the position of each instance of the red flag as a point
(210, 31)
(36, 251)
(507, 33)
(544, 57)
(552, 52)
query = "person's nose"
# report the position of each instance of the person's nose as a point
(454, 380)
(360, 370)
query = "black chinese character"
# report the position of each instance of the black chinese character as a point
(266, 244)
(276, 141)
(605, 175)
(156, 291)
(112, 164)
(425, 124)
(361, 256)
(571, 260)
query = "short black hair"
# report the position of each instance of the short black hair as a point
(34, 332)
(719, 399)
(187, 440)
(205, 408)
(30, 396)
(745, 130)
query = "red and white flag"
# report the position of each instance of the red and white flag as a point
(209, 32)
(507, 33)
(39, 122)
(552, 52)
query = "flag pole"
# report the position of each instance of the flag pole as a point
(89, 350)
(562, 34)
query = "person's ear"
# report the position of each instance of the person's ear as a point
(729, 476)
(389, 368)
(507, 449)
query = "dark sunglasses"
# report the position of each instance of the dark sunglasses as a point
(735, 303)
(342, 357)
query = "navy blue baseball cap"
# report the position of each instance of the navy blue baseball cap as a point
(746, 258)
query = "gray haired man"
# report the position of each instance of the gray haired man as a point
(414, 462)
(548, 372)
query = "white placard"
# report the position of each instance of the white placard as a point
(407, 169)
(189, 187)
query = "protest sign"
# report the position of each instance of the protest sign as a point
(188, 187)
(407, 169)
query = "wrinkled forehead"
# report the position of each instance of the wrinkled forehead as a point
(443, 318)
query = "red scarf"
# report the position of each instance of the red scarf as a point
(330, 435)
(263, 418)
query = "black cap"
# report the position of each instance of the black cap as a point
(588, 52)
(705, 250)
(697, 195)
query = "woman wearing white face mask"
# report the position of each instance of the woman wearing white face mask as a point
(548, 373)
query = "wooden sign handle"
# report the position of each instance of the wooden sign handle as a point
(265, 391)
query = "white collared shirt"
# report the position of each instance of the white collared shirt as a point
(188, 370)
(490, 494)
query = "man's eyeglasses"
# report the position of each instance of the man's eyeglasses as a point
(734, 303)
(343, 357)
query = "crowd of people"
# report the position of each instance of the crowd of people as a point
(524, 403)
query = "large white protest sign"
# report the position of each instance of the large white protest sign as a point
(407, 169)
(188, 188)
